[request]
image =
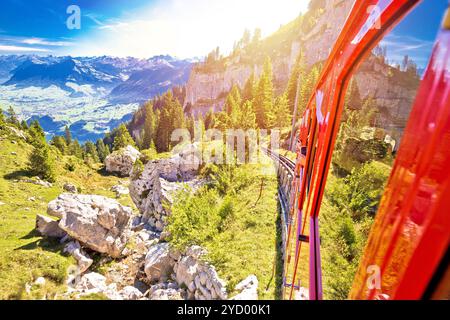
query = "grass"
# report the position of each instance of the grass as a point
(25, 255)
(240, 232)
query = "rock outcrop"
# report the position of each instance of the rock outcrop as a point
(200, 278)
(48, 227)
(95, 283)
(120, 190)
(166, 291)
(83, 259)
(70, 188)
(155, 185)
(99, 223)
(248, 289)
(158, 263)
(121, 162)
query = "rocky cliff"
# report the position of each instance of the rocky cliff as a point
(207, 88)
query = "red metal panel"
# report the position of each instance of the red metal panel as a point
(412, 229)
(367, 23)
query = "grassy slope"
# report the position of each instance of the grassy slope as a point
(24, 255)
(243, 242)
(250, 244)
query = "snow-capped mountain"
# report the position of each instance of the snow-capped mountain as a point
(90, 94)
(148, 82)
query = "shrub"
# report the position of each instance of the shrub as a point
(41, 162)
(360, 192)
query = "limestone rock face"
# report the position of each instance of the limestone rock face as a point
(83, 259)
(200, 278)
(121, 162)
(48, 227)
(166, 291)
(99, 223)
(130, 293)
(156, 184)
(158, 263)
(248, 289)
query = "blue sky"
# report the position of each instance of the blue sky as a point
(415, 35)
(183, 28)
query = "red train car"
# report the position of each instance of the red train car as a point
(407, 252)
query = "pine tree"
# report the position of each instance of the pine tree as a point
(24, 125)
(280, 116)
(247, 116)
(209, 119)
(162, 133)
(68, 136)
(36, 132)
(60, 143)
(102, 150)
(264, 96)
(123, 138)
(149, 126)
(249, 88)
(40, 161)
(75, 149)
(90, 152)
(353, 99)
(233, 100)
(307, 87)
(2, 116)
(12, 116)
(297, 75)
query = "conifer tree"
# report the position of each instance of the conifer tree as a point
(247, 116)
(12, 116)
(24, 125)
(40, 161)
(162, 132)
(123, 138)
(68, 136)
(249, 88)
(353, 99)
(36, 131)
(102, 150)
(90, 152)
(297, 75)
(75, 149)
(264, 95)
(2, 116)
(280, 116)
(233, 100)
(307, 87)
(60, 143)
(209, 119)
(149, 126)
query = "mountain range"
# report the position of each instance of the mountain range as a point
(87, 93)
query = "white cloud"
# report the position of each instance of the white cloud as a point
(44, 42)
(186, 28)
(9, 48)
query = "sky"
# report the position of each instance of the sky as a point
(181, 28)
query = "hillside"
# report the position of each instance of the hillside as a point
(24, 254)
(315, 32)
(27, 259)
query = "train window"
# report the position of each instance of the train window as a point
(378, 103)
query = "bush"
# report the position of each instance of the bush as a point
(41, 162)
(148, 155)
(360, 192)
(194, 219)
(227, 179)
